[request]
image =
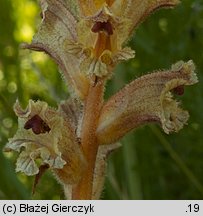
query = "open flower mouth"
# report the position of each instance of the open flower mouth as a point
(37, 138)
(37, 125)
(103, 26)
(43, 138)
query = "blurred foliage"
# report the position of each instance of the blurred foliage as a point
(151, 164)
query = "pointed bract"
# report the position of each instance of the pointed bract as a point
(57, 28)
(100, 169)
(138, 10)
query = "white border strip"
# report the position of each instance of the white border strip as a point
(101, 208)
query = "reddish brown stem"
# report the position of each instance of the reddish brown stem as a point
(94, 100)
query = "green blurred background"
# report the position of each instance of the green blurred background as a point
(151, 164)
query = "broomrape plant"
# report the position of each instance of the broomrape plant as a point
(87, 39)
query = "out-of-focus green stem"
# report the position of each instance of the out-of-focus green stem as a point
(5, 104)
(177, 159)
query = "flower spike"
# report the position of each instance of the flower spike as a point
(87, 39)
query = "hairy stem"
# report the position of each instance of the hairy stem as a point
(94, 101)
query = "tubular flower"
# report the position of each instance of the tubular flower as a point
(45, 137)
(106, 26)
(147, 99)
(87, 39)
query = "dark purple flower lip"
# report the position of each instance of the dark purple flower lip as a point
(103, 26)
(37, 124)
